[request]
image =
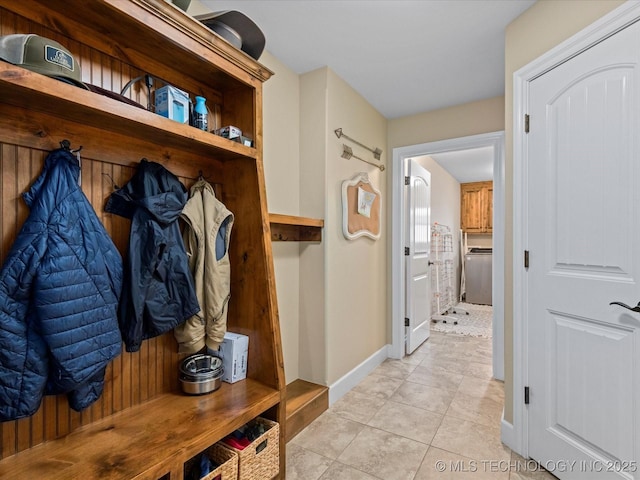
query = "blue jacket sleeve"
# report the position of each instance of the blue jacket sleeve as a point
(23, 353)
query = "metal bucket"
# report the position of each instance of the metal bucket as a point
(200, 374)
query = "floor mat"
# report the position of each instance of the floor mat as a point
(478, 323)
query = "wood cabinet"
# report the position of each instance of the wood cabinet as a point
(476, 207)
(142, 426)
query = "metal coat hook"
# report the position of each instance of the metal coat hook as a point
(66, 145)
(347, 153)
(376, 151)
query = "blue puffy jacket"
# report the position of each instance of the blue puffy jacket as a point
(59, 290)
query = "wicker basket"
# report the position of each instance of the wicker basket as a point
(260, 460)
(225, 457)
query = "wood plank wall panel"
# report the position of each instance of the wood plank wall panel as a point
(97, 68)
(132, 378)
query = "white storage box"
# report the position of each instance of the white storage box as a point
(229, 132)
(234, 351)
(173, 103)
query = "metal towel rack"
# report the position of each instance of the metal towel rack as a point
(347, 152)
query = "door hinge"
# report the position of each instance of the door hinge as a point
(407, 180)
(406, 251)
(526, 259)
(406, 322)
(526, 123)
(526, 395)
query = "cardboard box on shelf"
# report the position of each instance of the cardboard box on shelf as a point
(229, 132)
(234, 351)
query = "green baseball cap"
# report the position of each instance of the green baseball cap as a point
(41, 55)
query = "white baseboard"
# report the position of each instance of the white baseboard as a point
(508, 434)
(351, 379)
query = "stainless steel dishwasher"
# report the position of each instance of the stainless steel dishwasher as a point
(477, 267)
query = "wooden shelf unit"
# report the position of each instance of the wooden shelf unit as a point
(142, 427)
(295, 229)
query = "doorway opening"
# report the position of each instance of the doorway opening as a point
(401, 155)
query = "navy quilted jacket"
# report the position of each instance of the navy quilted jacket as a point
(59, 289)
(158, 291)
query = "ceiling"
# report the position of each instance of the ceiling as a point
(403, 56)
(470, 165)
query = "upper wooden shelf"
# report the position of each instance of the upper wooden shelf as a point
(165, 36)
(25, 89)
(295, 229)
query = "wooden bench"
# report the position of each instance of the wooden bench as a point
(305, 402)
(148, 442)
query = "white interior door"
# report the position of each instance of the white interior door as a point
(584, 240)
(418, 274)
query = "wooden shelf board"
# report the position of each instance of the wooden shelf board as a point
(130, 444)
(32, 91)
(295, 229)
(182, 37)
(294, 220)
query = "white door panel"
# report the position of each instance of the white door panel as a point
(418, 274)
(584, 239)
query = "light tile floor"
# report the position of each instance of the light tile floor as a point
(433, 414)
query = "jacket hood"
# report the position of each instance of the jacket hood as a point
(152, 188)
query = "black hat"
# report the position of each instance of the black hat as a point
(236, 28)
(41, 55)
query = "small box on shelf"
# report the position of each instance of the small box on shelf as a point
(229, 132)
(234, 350)
(173, 103)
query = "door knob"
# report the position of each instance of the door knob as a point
(633, 309)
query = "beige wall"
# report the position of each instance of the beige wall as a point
(282, 172)
(345, 314)
(313, 188)
(546, 24)
(473, 118)
(445, 194)
(332, 296)
(356, 270)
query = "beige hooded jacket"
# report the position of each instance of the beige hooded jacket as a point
(206, 237)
